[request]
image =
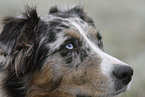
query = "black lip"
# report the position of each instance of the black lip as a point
(83, 96)
(119, 92)
(119, 85)
(112, 94)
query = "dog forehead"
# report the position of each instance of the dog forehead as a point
(73, 27)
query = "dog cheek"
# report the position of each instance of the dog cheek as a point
(88, 77)
(44, 81)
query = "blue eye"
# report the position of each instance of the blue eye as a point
(69, 46)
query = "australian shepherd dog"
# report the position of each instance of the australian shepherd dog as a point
(58, 55)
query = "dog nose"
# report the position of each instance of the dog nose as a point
(123, 73)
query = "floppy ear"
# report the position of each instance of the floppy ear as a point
(17, 29)
(18, 40)
(12, 28)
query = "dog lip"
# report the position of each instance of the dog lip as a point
(119, 92)
(80, 95)
(116, 93)
(118, 85)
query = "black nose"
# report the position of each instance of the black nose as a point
(123, 73)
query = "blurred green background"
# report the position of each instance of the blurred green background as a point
(121, 22)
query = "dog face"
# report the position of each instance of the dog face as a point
(59, 55)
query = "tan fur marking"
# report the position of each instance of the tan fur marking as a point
(74, 34)
(42, 77)
(44, 81)
(88, 80)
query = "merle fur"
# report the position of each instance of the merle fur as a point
(23, 34)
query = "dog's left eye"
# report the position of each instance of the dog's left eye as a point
(69, 46)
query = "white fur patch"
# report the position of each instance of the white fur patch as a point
(108, 61)
(55, 45)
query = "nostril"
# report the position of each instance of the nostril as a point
(123, 73)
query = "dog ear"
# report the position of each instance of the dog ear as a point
(12, 28)
(19, 38)
(17, 29)
(80, 12)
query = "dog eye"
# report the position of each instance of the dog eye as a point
(69, 46)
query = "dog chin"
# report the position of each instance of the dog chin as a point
(119, 89)
(115, 93)
(118, 93)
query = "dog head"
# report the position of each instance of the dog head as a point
(59, 55)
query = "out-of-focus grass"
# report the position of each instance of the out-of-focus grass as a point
(121, 22)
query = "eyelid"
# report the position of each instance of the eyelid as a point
(70, 41)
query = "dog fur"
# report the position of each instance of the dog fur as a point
(56, 55)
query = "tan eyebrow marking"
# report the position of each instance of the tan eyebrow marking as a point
(73, 34)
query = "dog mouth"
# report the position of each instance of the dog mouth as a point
(116, 92)
(83, 96)
(119, 92)
(111, 94)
